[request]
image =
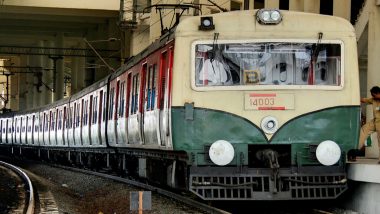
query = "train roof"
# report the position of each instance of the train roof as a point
(162, 41)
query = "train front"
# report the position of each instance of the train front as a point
(266, 104)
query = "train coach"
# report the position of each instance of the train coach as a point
(244, 105)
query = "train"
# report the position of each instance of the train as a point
(242, 105)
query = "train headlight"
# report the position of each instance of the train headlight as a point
(269, 124)
(270, 17)
(328, 153)
(221, 152)
(207, 23)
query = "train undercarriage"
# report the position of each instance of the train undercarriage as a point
(209, 183)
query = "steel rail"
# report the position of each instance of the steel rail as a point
(30, 202)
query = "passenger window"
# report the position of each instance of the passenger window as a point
(122, 99)
(77, 115)
(111, 106)
(104, 106)
(151, 87)
(71, 117)
(135, 93)
(85, 115)
(94, 110)
(100, 106)
(52, 121)
(60, 120)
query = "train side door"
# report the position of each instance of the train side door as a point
(134, 136)
(151, 112)
(142, 99)
(164, 96)
(30, 130)
(78, 123)
(64, 125)
(114, 113)
(71, 125)
(36, 123)
(121, 119)
(111, 126)
(95, 123)
(102, 115)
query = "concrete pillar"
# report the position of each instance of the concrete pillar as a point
(14, 96)
(79, 72)
(23, 85)
(47, 76)
(296, 5)
(43, 90)
(33, 94)
(29, 83)
(311, 6)
(74, 71)
(272, 4)
(373, 75)
(59, 85)
(342, 8)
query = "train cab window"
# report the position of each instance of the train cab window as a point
(274, 63)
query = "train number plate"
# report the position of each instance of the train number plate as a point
(268, 101)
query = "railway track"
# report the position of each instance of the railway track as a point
(180, 198)
(29, 192)
(188, 202)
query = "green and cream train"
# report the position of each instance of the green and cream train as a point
(244, 105)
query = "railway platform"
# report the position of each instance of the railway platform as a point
(364, 176)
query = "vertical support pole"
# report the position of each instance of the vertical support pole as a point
(69, 156)
(39, 153)
(48, 154)
(140, 202)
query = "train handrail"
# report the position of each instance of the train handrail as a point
(30, 209)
